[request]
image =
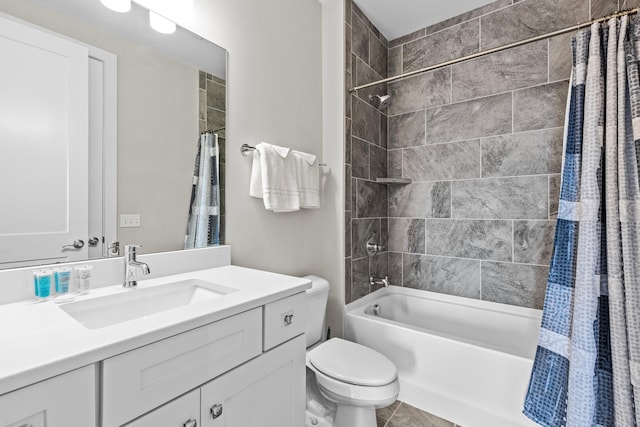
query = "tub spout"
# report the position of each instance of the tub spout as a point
(375, 281)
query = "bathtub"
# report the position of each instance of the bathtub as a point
(465, 360)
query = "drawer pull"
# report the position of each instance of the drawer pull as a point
(216, 410)
(288, 319)
(190, 423)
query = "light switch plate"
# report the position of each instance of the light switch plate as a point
(129, 220)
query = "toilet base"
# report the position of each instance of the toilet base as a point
(355, 416)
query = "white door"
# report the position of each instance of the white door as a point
(43, 146)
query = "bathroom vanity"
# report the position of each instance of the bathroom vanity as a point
(220, 346)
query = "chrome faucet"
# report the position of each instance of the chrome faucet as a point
(130, 266)
(374, 281)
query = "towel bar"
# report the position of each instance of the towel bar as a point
(245, 149)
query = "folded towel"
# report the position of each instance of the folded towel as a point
(307, 178)
(278, 175)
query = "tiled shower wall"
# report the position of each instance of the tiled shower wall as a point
(481, 141)
(213, 105)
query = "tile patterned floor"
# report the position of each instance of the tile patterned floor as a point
(403, 415)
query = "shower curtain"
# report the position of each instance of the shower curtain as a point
(203, 227)
(587, 365)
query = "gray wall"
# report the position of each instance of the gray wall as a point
(482, 142)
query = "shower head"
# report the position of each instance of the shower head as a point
(380, 102)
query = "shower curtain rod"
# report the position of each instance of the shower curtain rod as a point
(497, 49)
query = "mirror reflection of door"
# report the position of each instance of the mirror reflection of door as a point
(44, 128)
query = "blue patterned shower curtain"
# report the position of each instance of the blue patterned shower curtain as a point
(203, 227)
(587, 366)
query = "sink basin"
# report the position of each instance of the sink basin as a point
(137, 303)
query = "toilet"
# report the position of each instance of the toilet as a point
(346, 381)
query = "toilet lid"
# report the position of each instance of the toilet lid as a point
(352, 363)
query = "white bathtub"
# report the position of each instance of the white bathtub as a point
(465, 360)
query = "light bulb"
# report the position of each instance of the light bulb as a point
(161, 24)
(117, 5)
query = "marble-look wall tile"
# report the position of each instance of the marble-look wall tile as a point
(384, 132)
(360, 14)
(628, 4)
(516, 284)
(394, 163)
(378, 55)
(501, 198)
(440, 162)
(489, 240)
(348, 8)
(560, 57)
(384, 233)
(371, 199)
(347, 281)
(395, 268)
(348, 84)
(378, 166)
(420, 200)
(347, 141)
(407, 38)
(529, 153)
(347, 233)
(407, 130)
(365, 75)
(347, 187)
(454, 42)
(483, 10)
(510, 69)
(470, 119)
(361, 231)
(600, 8)
(395, 61)
(533, 241)
(366, 122)
(451, 276)
(360, 158)
(347, 50)
(554, 195)
(406, 235)
(419, 92)
(359, 38)
(540, 107)
(531, 18)
(360, 278)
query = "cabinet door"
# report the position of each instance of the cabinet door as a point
(182, 412)
(267, 391)
(63, 401)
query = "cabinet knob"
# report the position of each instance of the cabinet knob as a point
(216, 410)
(190, 423)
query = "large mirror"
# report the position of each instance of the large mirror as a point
(123, 133)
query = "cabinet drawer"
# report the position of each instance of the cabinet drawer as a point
(284, 319)
(135, 382)
(63, 401)
(184, 411)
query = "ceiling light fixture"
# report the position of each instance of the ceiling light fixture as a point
(117, 5)
(161, 24)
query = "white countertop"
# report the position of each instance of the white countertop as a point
(38, 340)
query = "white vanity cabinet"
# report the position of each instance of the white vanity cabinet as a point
(63, 401)
(245, 370)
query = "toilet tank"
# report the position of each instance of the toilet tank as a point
(316, 304)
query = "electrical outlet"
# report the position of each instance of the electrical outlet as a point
(130, 220)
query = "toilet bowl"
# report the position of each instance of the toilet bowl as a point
(346, 381)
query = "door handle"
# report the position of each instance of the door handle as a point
(190, 423)
(77, 244)
(93, 242)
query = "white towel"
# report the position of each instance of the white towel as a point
(278, 178)
(307, 178)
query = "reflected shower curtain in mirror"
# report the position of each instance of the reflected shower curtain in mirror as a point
(587, 366)
(203, 227)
